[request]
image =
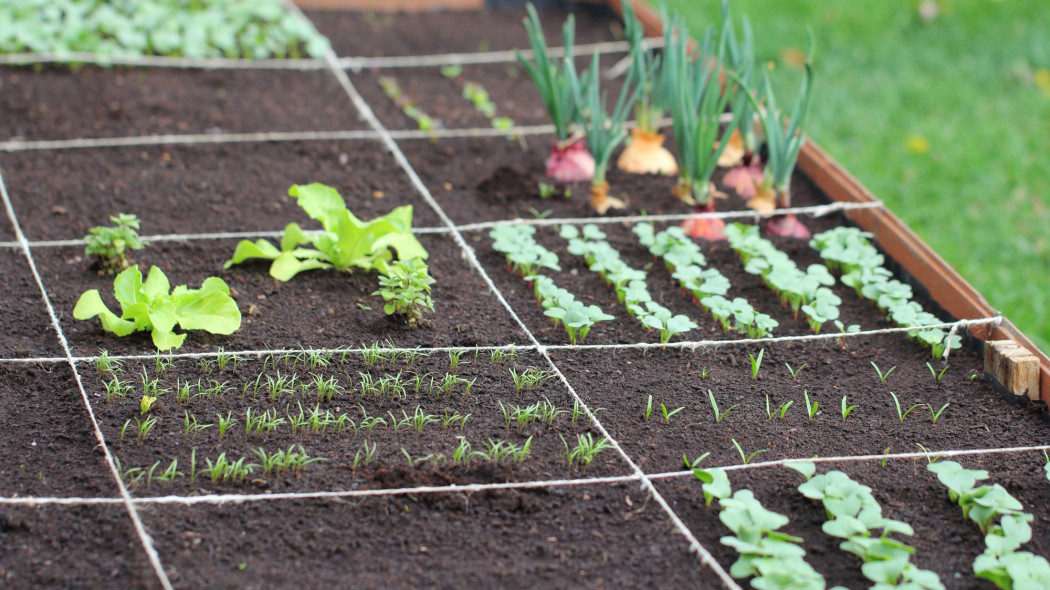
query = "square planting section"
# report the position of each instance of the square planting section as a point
(377, 34)
(444, 97)
(49, 447)
(945, 542)
(318, 308)
(586, 537)
(200, 189)
(370, 423)
(591, 289)
(114, 102)
(71, 547)
(977, 415)
(492, 179)
(28, 332)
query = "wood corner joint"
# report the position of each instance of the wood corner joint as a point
(1015, 367)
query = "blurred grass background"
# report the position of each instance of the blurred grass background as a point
(942, 109)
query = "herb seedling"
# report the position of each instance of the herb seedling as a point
(779, 411)
(846, 409)
(883, 376)
(668, 413)
(585, 451)
(104, 364)
(225, 423)
(934, 415)
(756, 363)
(897, 404)
(405, 287)
(110, 245)
(453, 360)
(811, 408)
(719, 416)
(744, 457)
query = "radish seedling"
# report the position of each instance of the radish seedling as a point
(152, 306)
(559, 89)
(111, 245)
(719, 416)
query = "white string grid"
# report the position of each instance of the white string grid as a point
(522, 485)
(366, 112)
(810, 210)
(689, 345)
(336, 66)
(140, 530)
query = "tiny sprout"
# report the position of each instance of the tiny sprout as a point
(937, 375)
(885, 451)
(667, 414)
(146, 403)
(902, 415)
(811, 408)
(704, 372)
(781, 410)
(974, 377)
(743, 456)
(453, 360)
(935, 415)
(794, 372)
(695, 462)
(883, 376)
(649, 408)
(719, 416)
(925, 451)
(545, 190)
(846, 409)
(756, 363)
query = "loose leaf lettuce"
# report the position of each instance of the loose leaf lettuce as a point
(346, 242)
(152, 305)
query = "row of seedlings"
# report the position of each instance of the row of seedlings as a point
(806, 291)
(526, 257)
(708, 286)
(629, 283)
(849, 252)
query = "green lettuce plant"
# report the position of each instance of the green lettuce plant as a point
(152, 305)
(346, 242)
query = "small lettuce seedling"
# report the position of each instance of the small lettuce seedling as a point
(152, 306)
(110, 245)
(405, 288)
(346, 243)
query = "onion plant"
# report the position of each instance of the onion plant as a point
(645, 153)
(741, 153)
(605, 131)
(559, 89)
(696, 103)
(784, 139)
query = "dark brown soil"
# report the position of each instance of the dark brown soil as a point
(30, 333)
(49, 446)
(426, 33)
(389, 468)
(978, 415)
(945, 542)
(318, 309)
(71, 547)
(63, 103)
(592, 537)
(200, 189)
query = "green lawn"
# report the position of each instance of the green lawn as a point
(947, 121)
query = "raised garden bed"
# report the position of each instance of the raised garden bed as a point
(96, 490)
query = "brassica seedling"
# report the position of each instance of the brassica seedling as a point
(152, 305)
(346, 243)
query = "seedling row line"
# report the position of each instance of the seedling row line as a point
(140, 530)
(366, 112)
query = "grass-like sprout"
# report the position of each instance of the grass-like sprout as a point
(225, 423)
(462, 454)
(756, 363)
(453, 360)
(104, 364)
(115, 388)
(811, 408)
(784, 140)
(780, 410)
(586, 450)
(696, 103)
(190, 426)
(704, 372)
(794, 372)
(903, 414)
(667, 414)
(846, 408)
(225, 359)
(744, 456)
(365, 453)
(648, 408)
(559, 88)
(883, 376)
(937, 375)
(934, 415)
(719, 416)
(645, 154)
(449, 421)
(740, 51)
(605, 131)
